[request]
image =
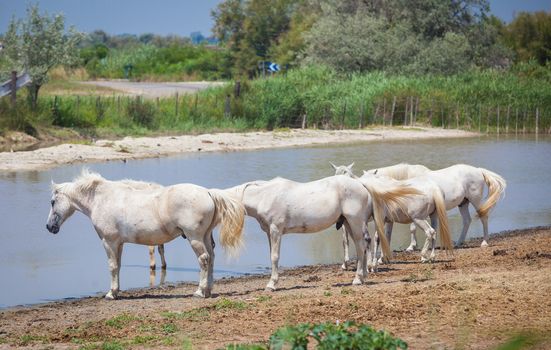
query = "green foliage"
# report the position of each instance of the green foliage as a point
(141, 112)
(529, 35)
(121, 321)
(37, 44)
(327, 336)
(224, 304)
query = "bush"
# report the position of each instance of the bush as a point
(328, 336)
(141, 112)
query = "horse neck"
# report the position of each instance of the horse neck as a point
(82, 201)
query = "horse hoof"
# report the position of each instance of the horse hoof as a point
(343, 267)
(424, 260)
(357, 282)
(270, 289)
(110, 296)
(199, 294)
(410, 250)
(484, 244)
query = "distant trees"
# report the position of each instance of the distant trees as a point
(405, 36)
(37, 44)
(529, 35)
(415, 36)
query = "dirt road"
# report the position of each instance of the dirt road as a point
(477, 299)
(149, 89)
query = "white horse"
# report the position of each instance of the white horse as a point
(461, 184)
(400, 171)
(134, 212)
(283, 206)
(429, 203)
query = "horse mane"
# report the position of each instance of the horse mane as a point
(87, 181)
(397, 172)
(139, 185)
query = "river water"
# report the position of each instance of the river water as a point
(36, 266)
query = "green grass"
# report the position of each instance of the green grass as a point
(27, 339)
(199, 314)
(228, 304)
(121, 321)
(476, 100)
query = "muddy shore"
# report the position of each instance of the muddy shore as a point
(476, 299)
(130, 148)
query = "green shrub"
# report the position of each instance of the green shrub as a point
(328, 336)
(142, 112)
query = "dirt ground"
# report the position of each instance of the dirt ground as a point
(130, 148)
(476, 299)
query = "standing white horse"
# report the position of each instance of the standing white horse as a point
(132, 212)
(283, 206)
(400, 171)
(429, 203)
(461, 184)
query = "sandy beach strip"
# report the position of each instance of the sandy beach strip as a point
(150, 147)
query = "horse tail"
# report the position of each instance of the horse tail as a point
(496, 186)
(387, 198)
(444, 228)
(230, 213)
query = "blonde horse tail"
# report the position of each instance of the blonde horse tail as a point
(444, 227)
(230, 213)
(496, 186)
(389, 198)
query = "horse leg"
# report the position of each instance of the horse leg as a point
(434, 224)
(161, 249)
(388, 232)
(464, 210)
(413, 242)
(114, 253)
(372, 263)
(361, 246)
(431, 235)
(152, 257)
(203, 258)
(209, 244)
(345, 247)
(484, 220)
(275, 244)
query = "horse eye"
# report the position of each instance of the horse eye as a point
(52, 202)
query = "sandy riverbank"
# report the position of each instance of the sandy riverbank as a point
(477, 299)
(150, 147)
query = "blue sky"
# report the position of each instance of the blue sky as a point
(173, 16)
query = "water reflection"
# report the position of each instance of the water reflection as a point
(41, 266)
(152, 275)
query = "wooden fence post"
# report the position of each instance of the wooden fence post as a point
(457, 116)
(508, 113)
(176, 98)
(362, 111)
(376, 112)
(13, 86)
(406, 112)
(497, 120)
(384, 110)
(416, 110)
(227, 106)
(392, 112)
(237, 90)
(304, 116)
(537, 118)
(442, 115)
(479, 117)
(516, 122)
(524, 122)
(430, 110)
(488, 121)
(411, 107)
(343, 115)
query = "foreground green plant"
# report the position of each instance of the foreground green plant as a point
(327, 336)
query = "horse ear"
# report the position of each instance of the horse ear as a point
(375, 173)
(351, 165)
(333, 165)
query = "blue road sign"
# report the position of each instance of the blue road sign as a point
(274, 67)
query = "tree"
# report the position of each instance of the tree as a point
(529, 35)
(37, 44)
